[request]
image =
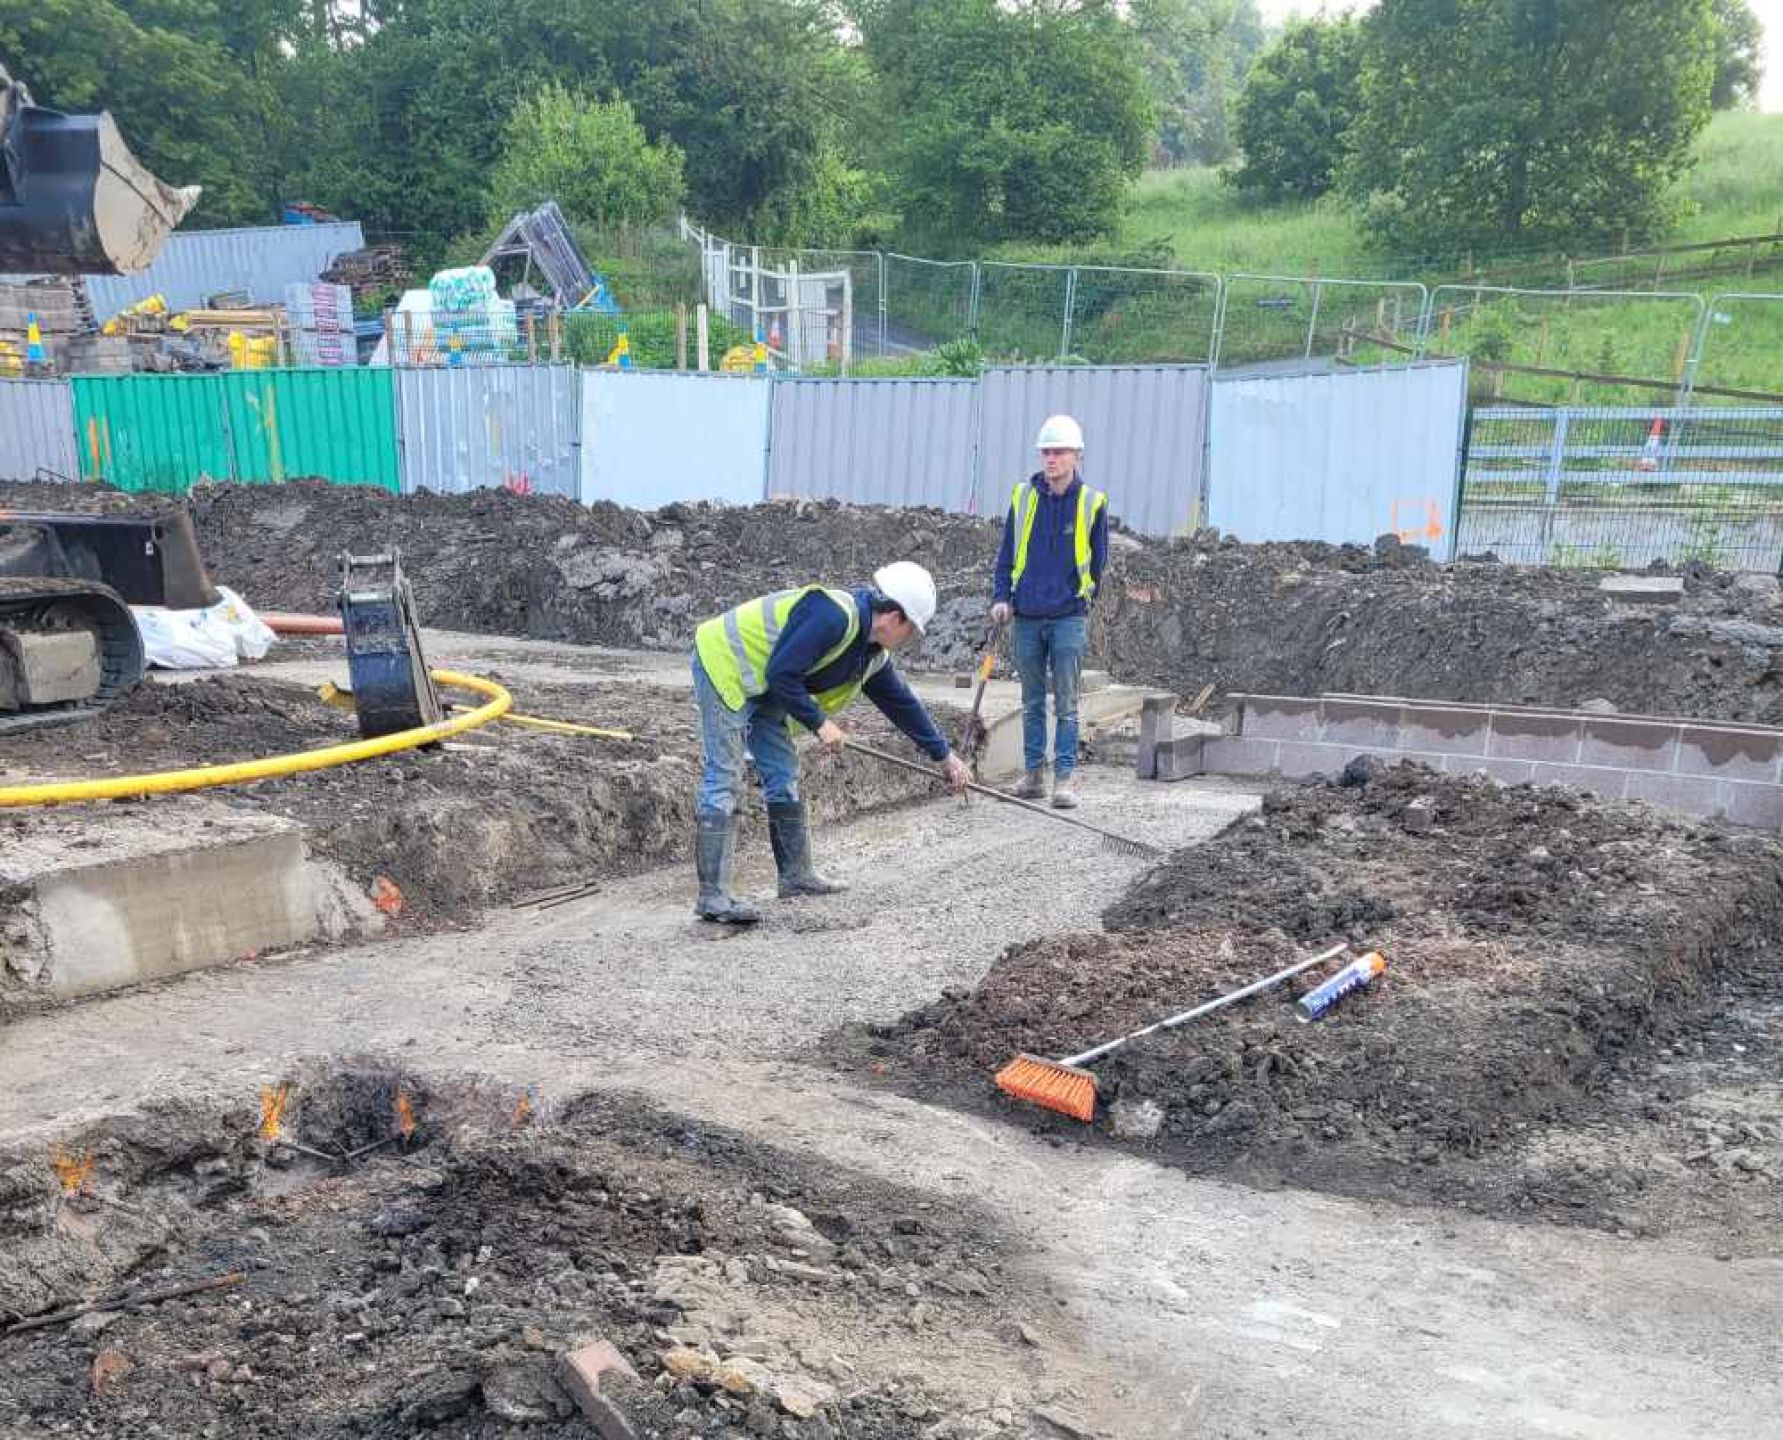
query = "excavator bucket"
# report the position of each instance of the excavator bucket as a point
(73, 199)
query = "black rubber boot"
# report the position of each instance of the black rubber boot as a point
(791, 838)
(714, 847)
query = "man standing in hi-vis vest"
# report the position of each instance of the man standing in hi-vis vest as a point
(798, 656)
(1055, 547)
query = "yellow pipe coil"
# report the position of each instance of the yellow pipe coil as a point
(245, 772)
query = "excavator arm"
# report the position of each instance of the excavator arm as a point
(73, 199)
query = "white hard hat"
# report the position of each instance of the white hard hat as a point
(911, 588)
(1060, 432)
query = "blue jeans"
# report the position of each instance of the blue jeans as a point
(1059, 644)
(730, 737)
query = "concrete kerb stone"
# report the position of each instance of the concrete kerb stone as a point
(584, 1371)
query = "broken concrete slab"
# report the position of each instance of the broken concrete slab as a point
(115, 896)
(1643, 589)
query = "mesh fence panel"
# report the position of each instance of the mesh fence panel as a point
(927, 302)
(1737, 357)
(1021, 311)
(1270, 318)
(1621, 488)
(1121, 316)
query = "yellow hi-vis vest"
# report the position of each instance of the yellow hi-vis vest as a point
(734, 648)
(1024, 504)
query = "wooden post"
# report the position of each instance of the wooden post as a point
(795, 319)
(390, 336)
(703, 341)
(1680, 358)
(554, 336)
(408, 337)
(1541, 345)
(532, 338)
(1448, 314)
(681, 336)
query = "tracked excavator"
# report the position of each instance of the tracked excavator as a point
(75, 201)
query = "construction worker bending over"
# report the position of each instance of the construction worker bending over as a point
(1055, 547)
(798, 655)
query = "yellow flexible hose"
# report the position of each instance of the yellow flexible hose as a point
(245, 772)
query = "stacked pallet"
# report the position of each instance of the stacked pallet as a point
(370, 272)
(58, 305)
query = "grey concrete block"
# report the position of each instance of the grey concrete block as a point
(1444, 730)
(1551, 738)
(1691, 794)
(1758, 805)
(1505, 772)
(1300, 759)
(1157, 716)
(1630, 744)
(1269, 718)
(1607, 784)
(1091, 681)
(1240, 755)
(1180, 759)
(1362, 722)
(1729, 754)
(1643, 589)
(50, 669)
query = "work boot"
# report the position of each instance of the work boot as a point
(791, 838)
(714, 847)
(1033, 786)
(1065, 791)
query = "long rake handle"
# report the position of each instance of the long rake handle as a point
(1220, 1004)
(1041, 810)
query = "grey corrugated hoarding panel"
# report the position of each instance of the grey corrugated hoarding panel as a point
(513, 426)
(194, 264)
(874, 442)
(651, 439)
(36, 429)
(1342, 458)
(1143, 429)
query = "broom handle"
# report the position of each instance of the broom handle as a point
(977, 789)
(1211, 1005)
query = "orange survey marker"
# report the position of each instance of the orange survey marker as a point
(1065, 1086)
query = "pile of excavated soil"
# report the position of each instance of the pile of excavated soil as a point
(502, 811)
(1297, 619)
(430, 1287)
(1537, 941)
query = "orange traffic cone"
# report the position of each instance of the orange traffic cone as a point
(1649, 459)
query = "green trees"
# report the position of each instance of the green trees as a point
(1006, 121)
(1739, 49)
(1194, 55)
(1500, 123)
(1293, 118)
(593, 159)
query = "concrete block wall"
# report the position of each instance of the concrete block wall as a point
(1700, 767)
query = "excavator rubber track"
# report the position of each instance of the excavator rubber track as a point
(38, 606)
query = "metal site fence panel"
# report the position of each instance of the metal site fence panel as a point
(1130, 316)
(841, 300)
(1023, 311)
(517, 429)
(1738, 351)
(1145, 427)
(1340, 456)
(650, 440)
(1264, 319)
(1742, 256)
(37, 430)
(1620, 488)
(874, 442)
(1568, 347)
(927, 302)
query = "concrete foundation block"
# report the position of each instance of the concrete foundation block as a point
(1444, 730)
(1374, 724)
(1691, 794)
(1630, 745)
(1268, 717)
(118, 897)
(1180, 759)
(1240, 755)
(1728, 753)
(1554, 739)
(1757, 805)
(1606, 784)
(1157, 715)
(49, 669)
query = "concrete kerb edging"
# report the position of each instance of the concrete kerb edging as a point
(1705, 768)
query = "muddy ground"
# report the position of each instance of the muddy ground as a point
(1556, 967)
(430, 1287)
(503, 811)
(1299, 619)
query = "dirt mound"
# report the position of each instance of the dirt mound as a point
(503, 811)
(1298, 619)
(1538, 941)
(429, 1287)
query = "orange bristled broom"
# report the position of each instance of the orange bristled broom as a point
(1065, 1086)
